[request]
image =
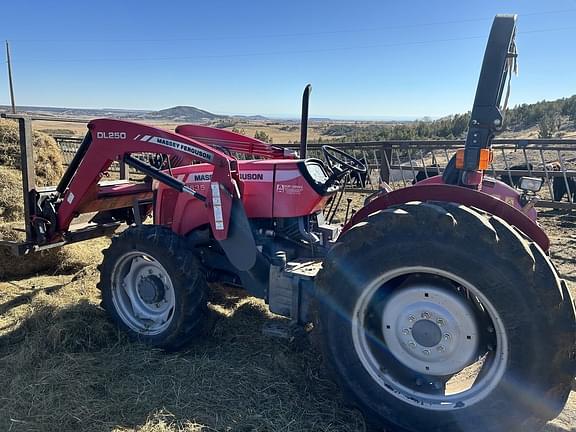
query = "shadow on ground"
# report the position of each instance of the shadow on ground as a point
(66, 368)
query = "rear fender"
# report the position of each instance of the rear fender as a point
(460, 195)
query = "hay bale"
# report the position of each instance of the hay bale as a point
(11, 200)
(48, 165)
(48, 159)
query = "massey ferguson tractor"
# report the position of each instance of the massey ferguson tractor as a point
(436, 307)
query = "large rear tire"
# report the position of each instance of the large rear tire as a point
(154, 288)
(437, 317)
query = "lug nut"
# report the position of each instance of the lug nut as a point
(426, 352)
(440, 321)
(411, 318)
(425, 315)
(412, 345)
(441, 349)
(447, 337)
(406, 331)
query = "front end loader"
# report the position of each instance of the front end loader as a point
(436, 307)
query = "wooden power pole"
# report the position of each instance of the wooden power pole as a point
(10, 78)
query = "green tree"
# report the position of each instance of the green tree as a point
(546, 127)
(240, 131)
(263, 136)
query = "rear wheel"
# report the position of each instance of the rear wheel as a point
(438, 317)
(153, 287)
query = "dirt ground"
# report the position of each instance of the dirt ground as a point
(64, 367)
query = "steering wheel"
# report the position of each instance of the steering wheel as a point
(341, 163)
(347, 161)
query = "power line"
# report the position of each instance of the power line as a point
(280, 53)
(283, 35)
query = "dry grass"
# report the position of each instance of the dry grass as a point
(65, 367)
(63, 260)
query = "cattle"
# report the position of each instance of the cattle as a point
(561, 185)
(514, 179)
(425, 173)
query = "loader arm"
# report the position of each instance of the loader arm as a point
(234, 142)
(111, 140)
(487, 113)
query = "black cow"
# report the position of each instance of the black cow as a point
(514, 179)
(424, 174)
(559, 187)
(358, 179)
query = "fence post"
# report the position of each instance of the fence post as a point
(385, 157)
(28, 172)
(123, 170)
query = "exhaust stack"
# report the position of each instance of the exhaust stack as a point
(304, 121)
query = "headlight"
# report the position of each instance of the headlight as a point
(531, 184)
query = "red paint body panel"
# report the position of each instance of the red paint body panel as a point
(234, 142)
(271, 189)
(460, 195)
(112, 139)
(495, 188)
(121, 189)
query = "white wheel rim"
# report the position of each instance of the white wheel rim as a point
(142, 293)
(413, 327)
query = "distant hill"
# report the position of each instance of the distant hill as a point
(251, 117)
(183, 113)
(78, 112)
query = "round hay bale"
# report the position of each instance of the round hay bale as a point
(48, 159)
(11, 200)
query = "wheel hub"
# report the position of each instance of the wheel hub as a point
(395, 328)
(151, 289)
(426, 333)
(430, 329)
(143, 293)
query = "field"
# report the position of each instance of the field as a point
(64, 367)
(281, 132)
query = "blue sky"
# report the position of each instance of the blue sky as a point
(363, 58)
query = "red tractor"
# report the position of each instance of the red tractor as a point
(436, 306)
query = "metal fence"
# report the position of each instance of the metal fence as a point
(402, 163)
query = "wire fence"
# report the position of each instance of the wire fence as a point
(403, 163)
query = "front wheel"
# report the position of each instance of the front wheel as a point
(437, 317)
(154, 288)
